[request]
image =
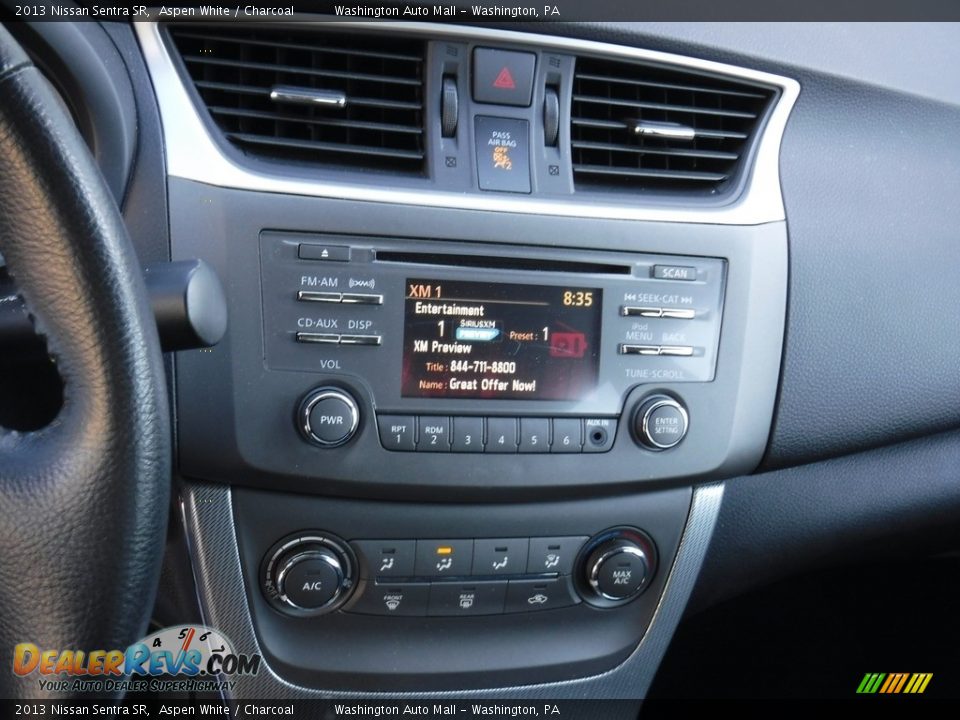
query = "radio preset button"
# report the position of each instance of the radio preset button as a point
(467, 435)
(444, 558)
(318, 338)
(398, 432)
(362, 298)
(501, 435)
(567, 435)
(434, 435)
(312, 296)
(500, 556)
(360, 339)
(534, 435)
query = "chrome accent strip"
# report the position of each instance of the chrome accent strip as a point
(207, 515)
(668, 130)
(307, 96)
(192, 154)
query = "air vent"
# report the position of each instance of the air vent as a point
(644, 127)
(340, 100)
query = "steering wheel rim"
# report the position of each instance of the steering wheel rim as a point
(83, 501)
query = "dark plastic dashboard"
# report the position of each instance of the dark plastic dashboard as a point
(829, 432)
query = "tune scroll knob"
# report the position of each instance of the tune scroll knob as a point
(328, 417)
(309, 574)
(660, 423)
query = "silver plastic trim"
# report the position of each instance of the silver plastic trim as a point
(307, 96)
(669, 130)
(192, 154)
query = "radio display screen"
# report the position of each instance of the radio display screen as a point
(500, 341)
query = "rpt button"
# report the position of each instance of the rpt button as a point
(397, 432)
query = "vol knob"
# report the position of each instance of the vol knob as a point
(328, 417)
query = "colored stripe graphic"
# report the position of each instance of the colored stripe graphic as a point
(894, 683)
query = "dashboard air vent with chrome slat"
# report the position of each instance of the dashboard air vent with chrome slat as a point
(323, 97)
(647, 127)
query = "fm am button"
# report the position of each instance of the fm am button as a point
(503, 154)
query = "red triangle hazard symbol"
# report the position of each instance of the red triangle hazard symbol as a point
(504, 80)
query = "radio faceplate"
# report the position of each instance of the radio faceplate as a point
(472, 330)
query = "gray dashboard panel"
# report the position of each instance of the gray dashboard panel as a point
(236, 415)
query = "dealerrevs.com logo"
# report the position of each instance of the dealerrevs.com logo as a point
(189, 658)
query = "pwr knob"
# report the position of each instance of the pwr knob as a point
(328, 417)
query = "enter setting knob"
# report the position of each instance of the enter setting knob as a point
(660, 423)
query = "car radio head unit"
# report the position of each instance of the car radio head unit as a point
(488, 340)
(444, 329)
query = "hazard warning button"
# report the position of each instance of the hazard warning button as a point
(503, 77)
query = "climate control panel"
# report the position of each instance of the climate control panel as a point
(313, 573)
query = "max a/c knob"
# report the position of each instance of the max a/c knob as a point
(660, 423)
(618, 567)
(328, 417)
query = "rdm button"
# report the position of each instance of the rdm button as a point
(503, 154)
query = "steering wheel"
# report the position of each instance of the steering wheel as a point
(83, 502)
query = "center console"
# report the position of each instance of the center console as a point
(465, 432)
